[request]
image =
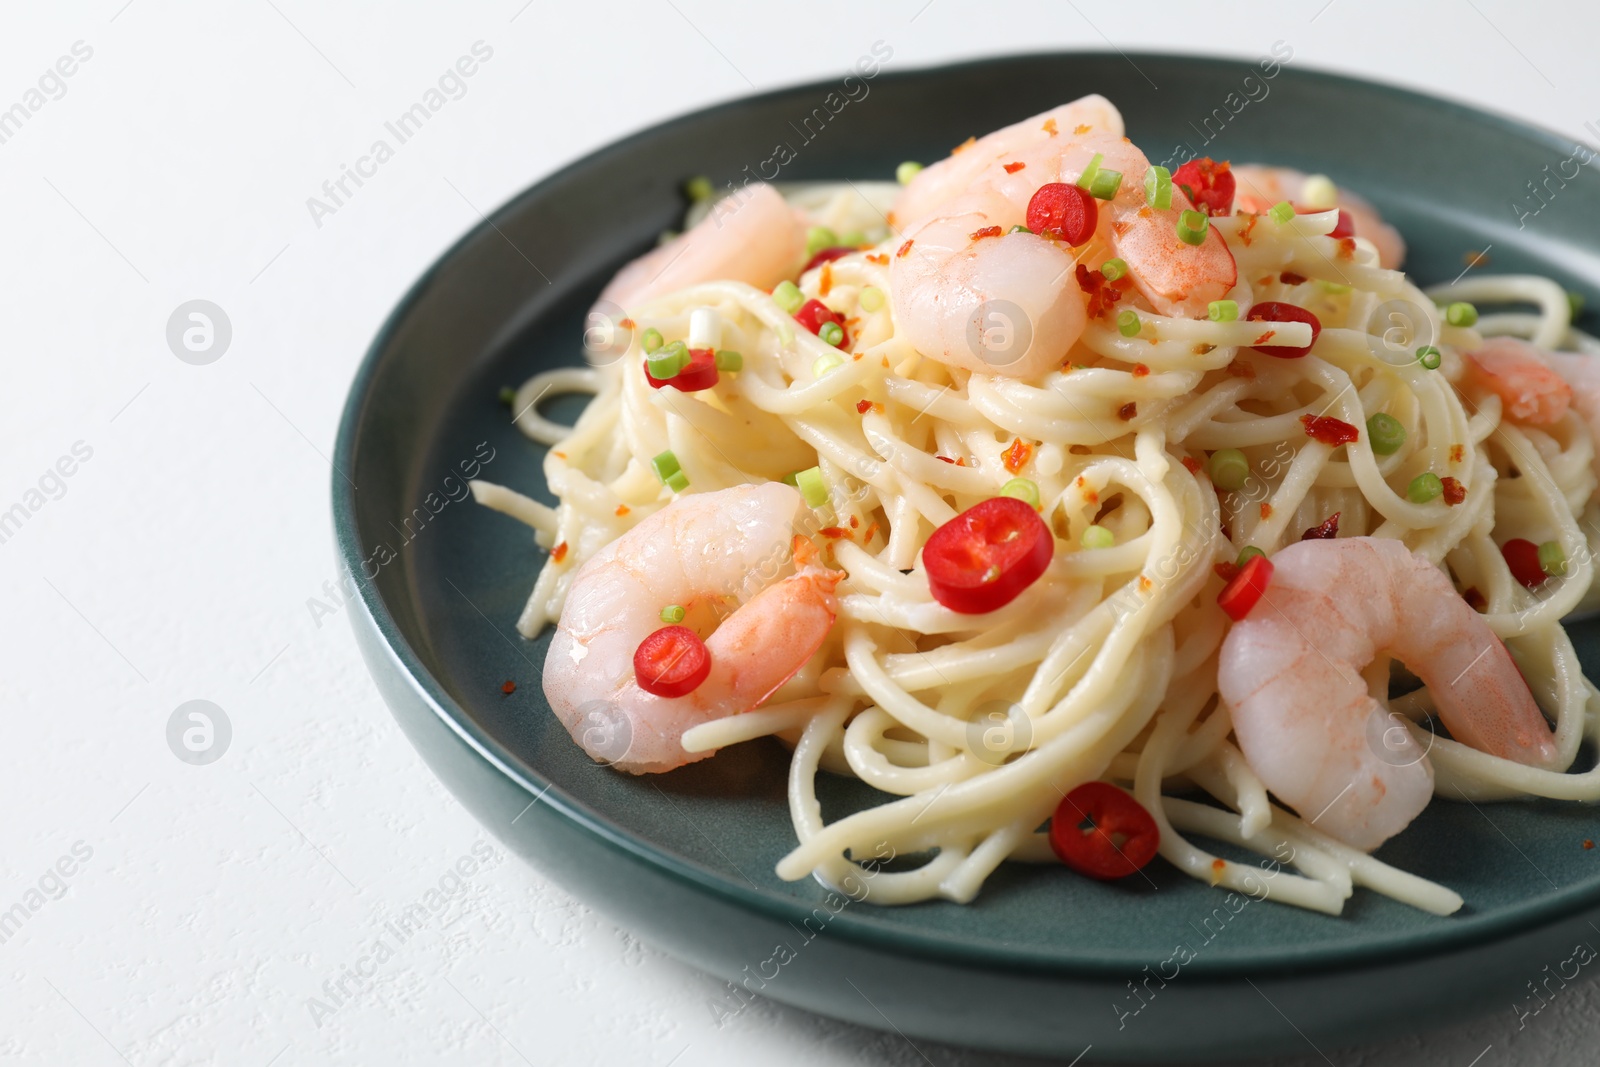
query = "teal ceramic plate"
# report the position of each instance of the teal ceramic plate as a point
(1043, 962)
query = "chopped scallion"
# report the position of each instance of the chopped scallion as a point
(811, 486)
(1222, 310)
(672, 614)
(1319, 193)
(1424, 487)
(831, 333)
(1429, 356)
(788, 296)
(1461, 314)
(1098, 537)
(1552, 560)
(1192, 227)
(906, 171)
(1385, 434)
(1229, 469)
(667, 361)
(729, 361)
(508, 395)
(853, 239)
(1128, 323)
(698, 188)
(1019, 228)
(651, 340)
(1248, 553)
(1281, 212)
(678, 482)
(1105, 184)
(871, 298)
(824, 364)
(1022, 489)
(1158, 188)
(1114, 269)
(1086, 179)
(665, 465)
(818, 238)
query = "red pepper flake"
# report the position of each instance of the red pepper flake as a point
(863, 406)
(1291, 278)
(1241, 368)
(1265, 279)
(559, 552)
(833, 533)
(1226, 570)
(1266, 512)
(1144, 584)
(944, 459)
(559, 455)
(879, 258)
(1012, 168)
(1016, 457)
(1203, 349)
(1218, 866)
(1476, 259)
(626, 324)
(901, 254)
(1103, 295)
(1246, 227)
(1347, 248)
(1127, 411)
(964, 145)
(987, 231)
(825, 280)
(959, 461)
(1474, 598)
(1140, 370)
(508, 687)
(855, 523)
(1326, 530)
(622, 509)
(1588, 843)
(1191, 464)
(1049, 127)
(1454, 491)
(1456, 452)
(1328, 430)
(871, 532)
(1264, 338)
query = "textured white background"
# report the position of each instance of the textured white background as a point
(178, 562)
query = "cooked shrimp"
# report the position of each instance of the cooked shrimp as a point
(1260, 187)
(1522, 376)
(1291, 674)
(946, 273)
(752, 236)
(1023, 142)
(1582, 374)
(704, 553)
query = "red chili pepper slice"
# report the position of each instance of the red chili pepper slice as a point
(1278, 311)
(701, 373)
(981, 559)
(671, 662)
(1100, 831)
(1208, 183)
(1329, 430)
(827, 255)
(1523, 559)
(1064, 211)
(1346, 226)
(814, 313)
(1241, 594)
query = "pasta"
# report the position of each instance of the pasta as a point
(1106, 667)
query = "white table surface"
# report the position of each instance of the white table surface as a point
(177, 561)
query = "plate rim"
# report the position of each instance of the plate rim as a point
(1415, 945)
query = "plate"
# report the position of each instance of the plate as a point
(1043, 962)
